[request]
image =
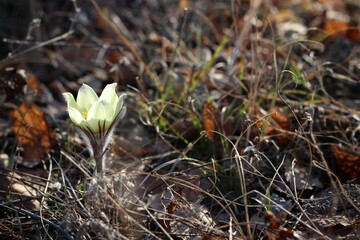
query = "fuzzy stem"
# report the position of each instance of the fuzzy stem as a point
(98, 151)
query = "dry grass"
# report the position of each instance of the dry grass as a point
(237, 127)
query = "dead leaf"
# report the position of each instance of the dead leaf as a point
(280, 121)
(14, 189)
(33, 133)
(276, 230)
(211, 120)
(347, 160)
(124, 147)
(114, 56)
(33, 83)
(280, 118)
(336, 28)
(184, 128)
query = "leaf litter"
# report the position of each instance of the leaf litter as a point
(243, 120)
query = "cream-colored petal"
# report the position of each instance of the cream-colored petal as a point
(70, 100)
(109, 94)
(93, 124)
(86, 97)
(100, 111)
(120, 104)
(75, 116)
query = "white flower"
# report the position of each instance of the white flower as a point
(96, 117)
(94, 114)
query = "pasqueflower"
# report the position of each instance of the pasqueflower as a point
(96, 116)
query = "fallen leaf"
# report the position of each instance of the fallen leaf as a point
(211, 120)
(280, 118)
(33, 83)
(124, 147)
(347, 160)
(14, 188)
(33, 133)
(184, 128)
(336, 28)
(280, 121)
(276, 230)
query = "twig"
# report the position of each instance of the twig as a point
(36, 217)
(126, 42)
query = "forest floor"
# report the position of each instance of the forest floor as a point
(242, 122)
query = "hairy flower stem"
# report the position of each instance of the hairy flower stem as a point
(98, 154)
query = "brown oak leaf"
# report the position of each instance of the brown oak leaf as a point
(33, 133)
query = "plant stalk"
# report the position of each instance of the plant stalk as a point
(98, 154)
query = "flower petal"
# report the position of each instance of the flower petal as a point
(100, 112)
(70, 100)
(75, 116)
(109, 94)
(120, 104)
(86, 97)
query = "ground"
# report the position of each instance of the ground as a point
(242, 119)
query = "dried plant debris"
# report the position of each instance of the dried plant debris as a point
(242, 120)
(339, 210)
(33, 132)
(12, 82)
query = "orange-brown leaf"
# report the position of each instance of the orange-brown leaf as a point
(32, 132)
(211, 120)
(33, 83)
(280, 121)
(333, 27)
(280, 118)
(347, 160)
(336, 28)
